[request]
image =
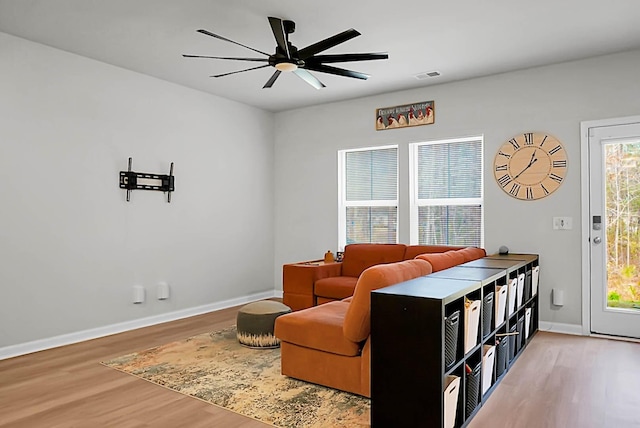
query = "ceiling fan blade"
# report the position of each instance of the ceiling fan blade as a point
(338, 71)
(227, 57)
(277, 26)
(208, 33)
(240, 71)
(272, 79)
(309, 78)
(327, 43)
(319, 59)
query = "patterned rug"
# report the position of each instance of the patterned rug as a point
(215, 368)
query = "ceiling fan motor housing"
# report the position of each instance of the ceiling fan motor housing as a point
(289, 26)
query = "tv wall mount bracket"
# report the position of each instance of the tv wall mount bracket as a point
(131, 180)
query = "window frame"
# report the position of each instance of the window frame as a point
(415, 202)
(342, 192)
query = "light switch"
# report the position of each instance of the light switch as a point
(562, 223)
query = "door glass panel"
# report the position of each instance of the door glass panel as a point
(622, 199)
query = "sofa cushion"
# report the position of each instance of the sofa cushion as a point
(358, 257)
(472, 253)
(414, 250)
(441, 261)
(319, 327)
(357, 322)
(337, 287)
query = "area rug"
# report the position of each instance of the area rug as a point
(215, 368)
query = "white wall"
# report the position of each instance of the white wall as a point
(553, 99)
(71, 247)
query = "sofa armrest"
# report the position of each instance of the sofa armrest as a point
(298, 280)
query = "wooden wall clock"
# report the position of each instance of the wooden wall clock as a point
(530, 166)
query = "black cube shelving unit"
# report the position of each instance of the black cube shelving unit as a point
(411, 339)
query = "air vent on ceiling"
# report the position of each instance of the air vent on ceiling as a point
(425, 75)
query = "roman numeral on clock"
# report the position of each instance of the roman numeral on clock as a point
(528, 139)
(501, 167)
(559, 164)
(555, 149)
(504, 180)
(529, 193)
(514, 189)
(514, 143)
(555, 177)
(504, 154)
(544, 189)
(543, 140)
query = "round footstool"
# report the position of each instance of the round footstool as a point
(255, 323)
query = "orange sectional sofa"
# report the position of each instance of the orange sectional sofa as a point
(329, 344)
(309, 284)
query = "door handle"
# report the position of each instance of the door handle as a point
(597, 240)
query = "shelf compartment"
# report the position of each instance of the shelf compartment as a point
(513, 338)
(527, 322)
(452, 326)
(527, 285)
(472, 387)
(535, 276)
(502, 350)
(471, 323)
(501, 303)
(488, 361)
(451, 393)
(513, 289)
(520, 292)
(487, 314)
(520, 336)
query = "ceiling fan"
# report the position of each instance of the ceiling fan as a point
(288, 58)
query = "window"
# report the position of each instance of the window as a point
(368, 195)
(446, 192)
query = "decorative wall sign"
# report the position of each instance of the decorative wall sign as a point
(415, 114)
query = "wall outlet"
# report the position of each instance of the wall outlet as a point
(138, 294)
(163, 291)
(562, 223)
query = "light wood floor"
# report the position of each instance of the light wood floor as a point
(560, 381)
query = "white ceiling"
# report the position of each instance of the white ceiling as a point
(460, 39)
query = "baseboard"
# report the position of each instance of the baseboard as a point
(557, 327)
(94, 333)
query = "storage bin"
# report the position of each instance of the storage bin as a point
(451, 327)
(527, 286)
(532, 322)
(487, 314)
(473, 389)
(488, 360)
(471, 322)
(501, 303)
(535, 277)
(527, 323)
(520, 337)
(513, 336)
(520, 289)
(513, 289)
(502, 348)
(451, 392)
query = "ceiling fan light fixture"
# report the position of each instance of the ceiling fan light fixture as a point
(286, 66)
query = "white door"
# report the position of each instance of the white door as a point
(614, 162)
